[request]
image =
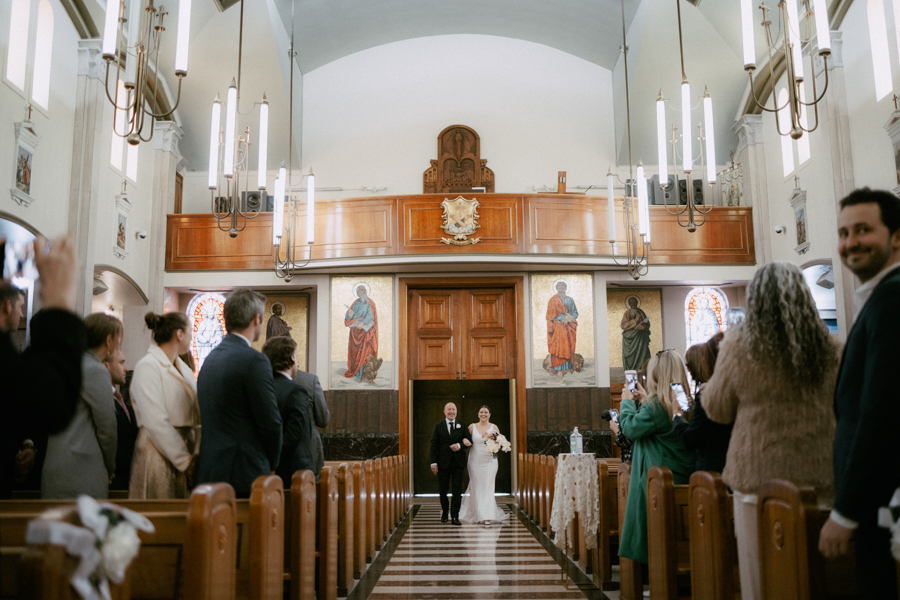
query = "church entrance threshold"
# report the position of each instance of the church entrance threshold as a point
(429, 398)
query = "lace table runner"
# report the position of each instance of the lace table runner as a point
(576, 492)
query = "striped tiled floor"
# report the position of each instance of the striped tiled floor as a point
(435, 560)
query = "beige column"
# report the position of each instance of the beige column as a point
(751, 153)
(90, 153)
(166, 158)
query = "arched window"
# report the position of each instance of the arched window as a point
(705, 314)
(878, 43)
(784, 122)
(17, 48)
(43, 53)
(206, 312)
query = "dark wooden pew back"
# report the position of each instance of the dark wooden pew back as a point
(713, 546)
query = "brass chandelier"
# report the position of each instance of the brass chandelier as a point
(636, 211)
(138, 49)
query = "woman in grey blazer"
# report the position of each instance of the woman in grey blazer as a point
(82, 458)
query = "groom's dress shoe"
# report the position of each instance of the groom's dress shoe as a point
(456, 521)
(444, 518)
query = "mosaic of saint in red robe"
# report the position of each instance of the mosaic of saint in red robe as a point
(362, 320)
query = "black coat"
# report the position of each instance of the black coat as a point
(241, 423)
(441, 440)
(58, 341)
(297, 419)
(708, 438)
(320, 414)
(127, 435)
(867, 408)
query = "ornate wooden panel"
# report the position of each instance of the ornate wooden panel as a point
(489, 334)
(537, 224)
(432, 347)
(459, 166)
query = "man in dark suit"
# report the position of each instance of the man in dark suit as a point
(866, 459)
(448, 459)
(126, 424)
(241, 423)
(320, 414)
(293, 404)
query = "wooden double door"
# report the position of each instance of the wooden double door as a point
(462, 334)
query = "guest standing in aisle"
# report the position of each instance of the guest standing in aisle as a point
(126, 422)
(241, 423)
(81, 459)
(165, 397)
(320, 414)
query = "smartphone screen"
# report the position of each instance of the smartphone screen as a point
(631, 380)
(680, 396)
(18, 261)
(614, 415)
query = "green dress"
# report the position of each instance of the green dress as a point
(655, 445)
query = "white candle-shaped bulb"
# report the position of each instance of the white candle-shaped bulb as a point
(640, 184)
(661, 139)
(747, 34)
(230, 118)
(263, 143)
(278, 221)
(214, 143)
(310, 208)
(611, 206)
(646, 204)
(823, 27)
(134, 36)
(710, 138)
(182, 37)
(794, 37)
(114, 10)
(687, 160)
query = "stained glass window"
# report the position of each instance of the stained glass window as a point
(206, 313)
(705, 314)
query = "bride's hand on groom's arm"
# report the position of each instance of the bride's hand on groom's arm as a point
(467, 442)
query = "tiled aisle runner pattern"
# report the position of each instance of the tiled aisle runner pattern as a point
(440, 561)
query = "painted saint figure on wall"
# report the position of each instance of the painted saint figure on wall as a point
(362, 350)
(562, 328)
(635, 335)
(277, 327)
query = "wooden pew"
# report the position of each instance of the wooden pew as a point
(667, 532)
(378, 502)
(327, 532)
(211, 543)
(630, 580)
(713, 547)
(540, 471)
(302, 560)
(527, 484)
(345, 529)
(372, 543)
(550, 485)
(267, 527)
(360, 504)
(791, 566)
(608, 528)
(520, 479)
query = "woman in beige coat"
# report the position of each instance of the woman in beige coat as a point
(164, 394)
(774, 378)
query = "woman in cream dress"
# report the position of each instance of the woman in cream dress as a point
(164, 394)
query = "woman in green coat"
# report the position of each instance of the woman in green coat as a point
(655, 445)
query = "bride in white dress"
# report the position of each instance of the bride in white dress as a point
(478, 503)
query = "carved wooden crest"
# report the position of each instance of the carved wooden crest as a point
(459, 166)
(460, 220)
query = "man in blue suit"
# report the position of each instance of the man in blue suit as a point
(241, 422)
(866, 460)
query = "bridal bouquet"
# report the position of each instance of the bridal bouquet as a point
(103, 535)
(496, 442)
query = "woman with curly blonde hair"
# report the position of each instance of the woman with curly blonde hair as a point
(774, 378)
(655, 444)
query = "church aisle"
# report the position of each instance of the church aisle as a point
(438, 561)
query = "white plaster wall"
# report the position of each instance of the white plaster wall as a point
(873, 159)
(372, 118)
(53, 160)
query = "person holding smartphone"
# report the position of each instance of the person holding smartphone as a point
(655, 443)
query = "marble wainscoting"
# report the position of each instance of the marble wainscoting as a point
(552, 443)
(359, 446)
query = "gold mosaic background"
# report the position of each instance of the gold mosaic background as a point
(651, 303)
(581, 289)
(342, 297)
(296, 315)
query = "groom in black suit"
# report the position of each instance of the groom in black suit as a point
(448, 459)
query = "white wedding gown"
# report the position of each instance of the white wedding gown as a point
(478, 503)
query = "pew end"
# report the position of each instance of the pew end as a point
(211, 545)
